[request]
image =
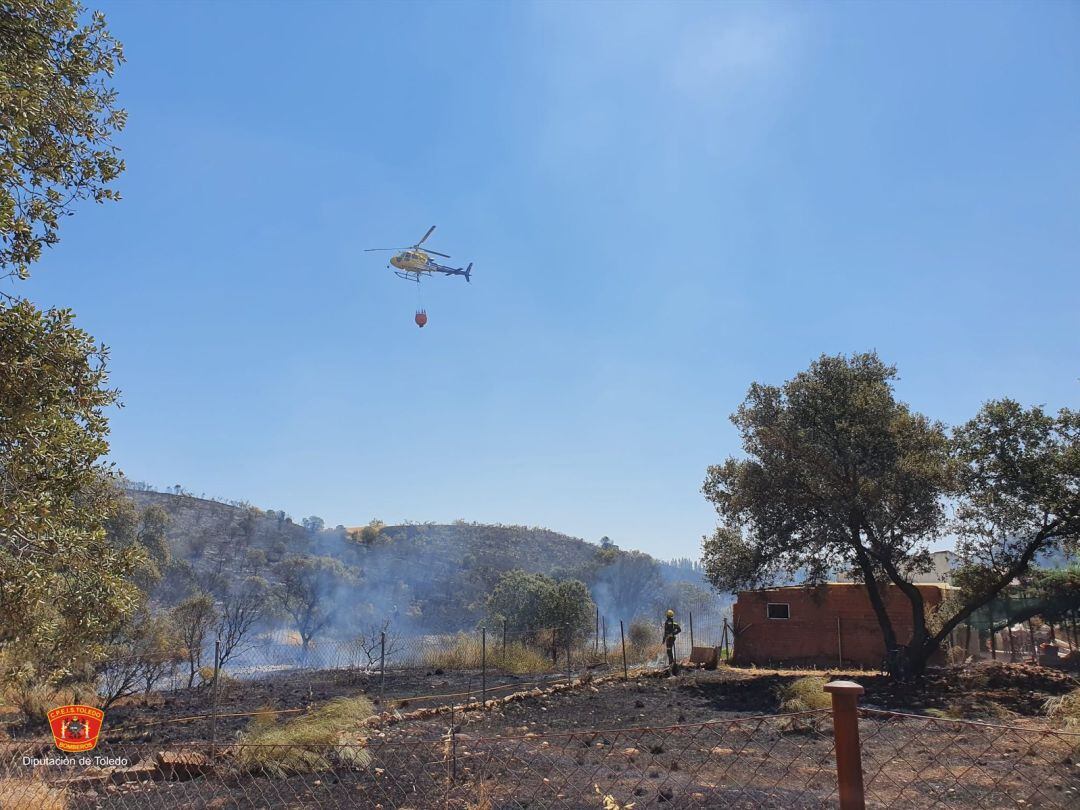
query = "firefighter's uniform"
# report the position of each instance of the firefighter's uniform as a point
(671, 629)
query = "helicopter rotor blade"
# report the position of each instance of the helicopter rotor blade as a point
(435, 253)
(426, 235)
(373, 250)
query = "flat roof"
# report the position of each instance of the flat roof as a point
(840, 585)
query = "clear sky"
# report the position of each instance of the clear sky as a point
(664, 203)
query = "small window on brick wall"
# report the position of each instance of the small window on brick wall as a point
(778, 610)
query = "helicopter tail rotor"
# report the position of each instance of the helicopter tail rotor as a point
(468, 270)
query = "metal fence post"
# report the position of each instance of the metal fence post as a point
(622, 635)
(483, 666)
(213, 698)
(603, 629)
(382, 666)
(691, 614)
(845, 712)
(569, 672)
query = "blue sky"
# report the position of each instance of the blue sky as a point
(664, 203)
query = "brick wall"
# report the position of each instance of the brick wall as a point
(813, 634)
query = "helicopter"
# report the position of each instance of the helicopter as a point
(412, 263)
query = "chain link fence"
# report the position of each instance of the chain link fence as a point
(209, 696)
(779, 761)
(847, 756)
(917, 761)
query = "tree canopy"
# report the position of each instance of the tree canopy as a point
(67, 553)
(58, 114)
(839, 475)
(531, 605)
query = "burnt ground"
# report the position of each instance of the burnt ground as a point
(181, 716)
(1017, 692)
(560, 749)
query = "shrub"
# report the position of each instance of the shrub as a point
(643, 642)
(641, 634)
(34, 700)
(309, 743)
(1064, 710)
(804, 694)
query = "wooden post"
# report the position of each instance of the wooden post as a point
(483, 665)
(849, 775)
(622, 635)
(1034, 649)
(1012, 644)
(690, 613)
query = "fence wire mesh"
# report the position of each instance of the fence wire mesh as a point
(275, 672)
(773, 761)
(917, 761)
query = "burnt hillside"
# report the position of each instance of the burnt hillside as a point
(426, 577)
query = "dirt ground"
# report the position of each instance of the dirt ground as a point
(182, 716)
(611, 744)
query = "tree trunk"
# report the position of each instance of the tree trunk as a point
(873, 591)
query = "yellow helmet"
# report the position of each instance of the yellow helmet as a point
(671, 614)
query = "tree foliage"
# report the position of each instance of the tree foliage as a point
(193, 618)
(65, 579)
(306, 591)
(540, 610)
(58, 114)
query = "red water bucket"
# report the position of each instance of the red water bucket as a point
(421, 318)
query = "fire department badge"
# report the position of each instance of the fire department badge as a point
(76, 728)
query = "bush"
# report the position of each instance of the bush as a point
(34, 700)
(643, 642)
(804, 694)
(307, 744)
(1064, 710)
(642, 634)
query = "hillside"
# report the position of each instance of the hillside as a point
(429, 577)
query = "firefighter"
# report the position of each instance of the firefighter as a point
(671, 629)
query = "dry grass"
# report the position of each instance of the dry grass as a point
(35, 700)
(969, 709)
(310, 743)
(1064, 710)
(804, 694)
(25, 794)
(466, 652)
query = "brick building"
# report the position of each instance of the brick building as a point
(831, 625)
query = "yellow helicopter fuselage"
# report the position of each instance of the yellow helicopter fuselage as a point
(411, 261)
